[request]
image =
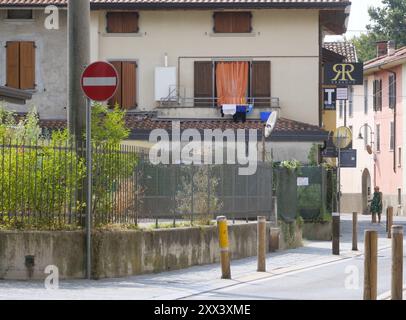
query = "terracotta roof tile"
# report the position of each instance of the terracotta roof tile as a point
(285, 129)
(346, 49)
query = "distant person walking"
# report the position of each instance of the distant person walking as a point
(376, 205)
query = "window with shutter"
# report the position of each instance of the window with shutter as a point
(392, 91)
(203, 83)
(20, 65)
(122, 22)
(261, 83)
(232, 22)
(17, 14)
(377, 95)
(126, 94)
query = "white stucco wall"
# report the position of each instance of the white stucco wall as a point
(50, 95)
(351, 178)
(288, 38)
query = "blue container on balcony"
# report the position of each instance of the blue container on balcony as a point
(265, 116)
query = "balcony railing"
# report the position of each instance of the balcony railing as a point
(212, 102)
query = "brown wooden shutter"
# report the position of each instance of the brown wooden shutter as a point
(241, 22)
(261, 83)
(13, 65)
(232, 22)
(223, 22)
(122, 22)
(117, 97)
(129, 77)
(27, 65)
(203, 82)
(114, 24)
(129, 22)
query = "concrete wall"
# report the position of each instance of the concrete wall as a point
(50, 95)
(63, 249)
(318, 231)
(288, 38)
(119, 254)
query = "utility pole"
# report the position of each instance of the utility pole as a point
(78, 114)
(78, 59)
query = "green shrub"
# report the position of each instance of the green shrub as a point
(36, 175)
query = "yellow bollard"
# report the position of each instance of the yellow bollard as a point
(222, 227)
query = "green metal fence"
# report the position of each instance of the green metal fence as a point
(308, 192)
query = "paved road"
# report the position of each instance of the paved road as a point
(311, 272)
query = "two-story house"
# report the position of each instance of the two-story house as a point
(186, 60)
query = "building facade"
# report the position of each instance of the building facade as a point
(377, 122)
(179, 59)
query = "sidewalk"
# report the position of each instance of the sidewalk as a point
(183, 284)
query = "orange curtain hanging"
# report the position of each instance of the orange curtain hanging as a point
(231, 82)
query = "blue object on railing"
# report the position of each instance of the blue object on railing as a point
(265, 116)
(250, 109)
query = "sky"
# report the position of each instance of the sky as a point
(359, 18)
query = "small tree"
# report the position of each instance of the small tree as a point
(198, 195)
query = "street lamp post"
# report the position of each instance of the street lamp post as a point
(361, 137)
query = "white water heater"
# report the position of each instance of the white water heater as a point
(165, 81)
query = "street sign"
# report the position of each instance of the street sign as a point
(342, 137)
(342, 93)
(348, 158)
(329, 99)
(344, 74)
(99, 81)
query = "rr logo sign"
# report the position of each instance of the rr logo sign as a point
(344, 71)
(344, 74)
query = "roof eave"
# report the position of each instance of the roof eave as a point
(244, 5)
(384, 65)
(208, 5)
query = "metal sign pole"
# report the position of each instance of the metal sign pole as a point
(345, 113)
(339, 182)
(89, 190)
(336, 215)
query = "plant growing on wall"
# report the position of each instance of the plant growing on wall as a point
(313, 155)
(292, 165)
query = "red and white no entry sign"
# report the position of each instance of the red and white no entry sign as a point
(99, 81)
